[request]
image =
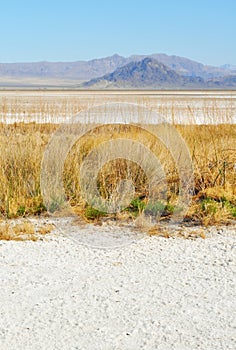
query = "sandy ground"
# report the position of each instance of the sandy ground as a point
(153, 293)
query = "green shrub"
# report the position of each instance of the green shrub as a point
(92, 213)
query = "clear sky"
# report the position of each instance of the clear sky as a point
(50, 30)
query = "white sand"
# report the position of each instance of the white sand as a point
(154, 294)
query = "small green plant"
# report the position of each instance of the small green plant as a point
(92, 213)
(212, 211)
(137, 205)
(231, 208)
(209, 206)
(39, 208)
(155, 208)
(21, 211)
(56, 204)
(233, 211)
(169, 209)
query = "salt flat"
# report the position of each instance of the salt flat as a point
(154, 294)
(200, 107)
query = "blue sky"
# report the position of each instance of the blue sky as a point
(49, 30)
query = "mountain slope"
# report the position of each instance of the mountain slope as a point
(148, 73)
(80, 70)
(224, 82)
(86, 70)
(187, 67)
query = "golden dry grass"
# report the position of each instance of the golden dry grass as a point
(23, 230)
(212, 149)
(182, 233)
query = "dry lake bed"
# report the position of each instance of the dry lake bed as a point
(154, 293)
(201, 107)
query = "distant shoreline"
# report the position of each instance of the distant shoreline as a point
(118, 91)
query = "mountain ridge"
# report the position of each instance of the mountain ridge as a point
(145, 74)
(73, 73)
(106, 65)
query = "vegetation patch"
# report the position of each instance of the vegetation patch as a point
(213, 155)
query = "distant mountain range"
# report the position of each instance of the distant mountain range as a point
(138, 71)
(146, 74)
(151, 74)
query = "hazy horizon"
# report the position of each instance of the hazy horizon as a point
(112, 54)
